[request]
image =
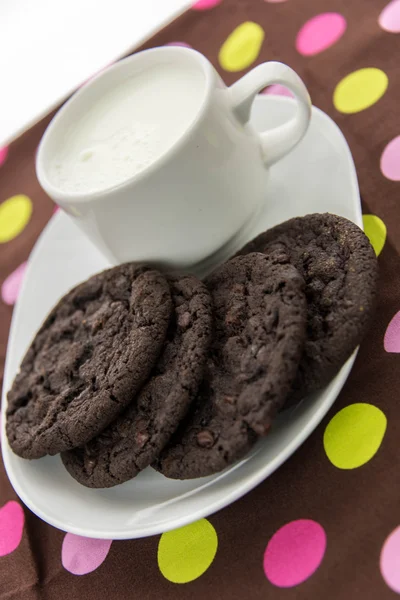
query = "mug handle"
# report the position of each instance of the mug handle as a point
(278, 141)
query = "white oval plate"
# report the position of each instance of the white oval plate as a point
(317, 176)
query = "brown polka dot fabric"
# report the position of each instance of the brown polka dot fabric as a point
(326, 523)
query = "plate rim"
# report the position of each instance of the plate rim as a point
(253, 479)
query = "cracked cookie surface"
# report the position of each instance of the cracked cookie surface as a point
(259, 331)
(340, 270)
(92, 354)
(136, 438)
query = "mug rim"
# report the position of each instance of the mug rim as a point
(57, 194)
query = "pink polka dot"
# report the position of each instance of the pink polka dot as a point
(11, 285)
(11, 527)
(81, 555)
(3, 155)
(319, 33)
(294, 553)
(390, 160)
(205, 4)
(278, 90)
(181, 44)
(389, 19)
(390, 560)
(391, 341)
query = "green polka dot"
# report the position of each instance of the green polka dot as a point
(353, 436)
(186, 553)
(360, 90)
(375, 229)
(242, 47)
(15, 213)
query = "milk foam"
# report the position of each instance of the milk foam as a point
(128, 129)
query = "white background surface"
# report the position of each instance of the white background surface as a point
(50, 47)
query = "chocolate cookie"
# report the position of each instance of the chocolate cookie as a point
(339, 267)
(137, 437)
(260, 320)
(91, 355)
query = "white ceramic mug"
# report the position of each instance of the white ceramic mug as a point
(204, 189)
